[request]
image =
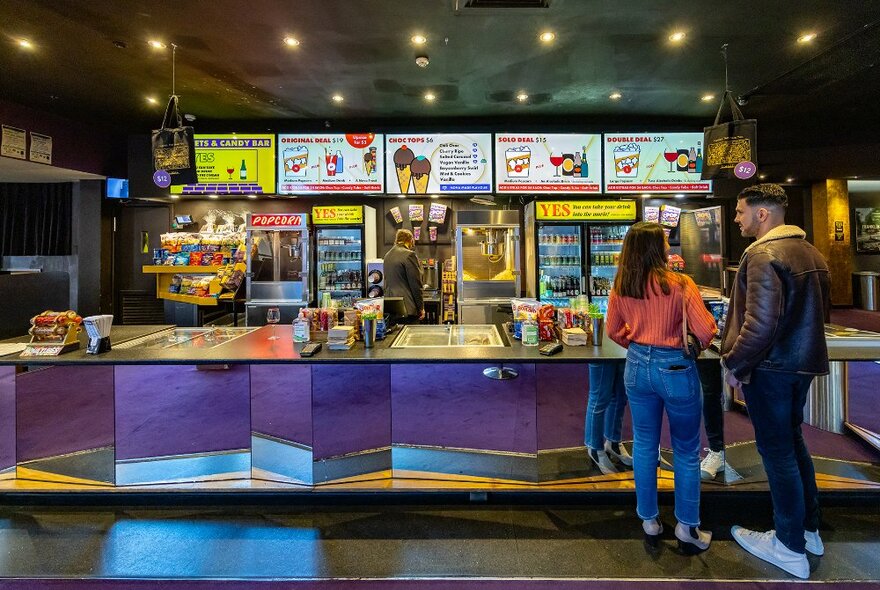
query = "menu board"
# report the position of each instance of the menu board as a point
(438, 164)
(331, 163)
(232, 164)
(540, 163)
(654, 163)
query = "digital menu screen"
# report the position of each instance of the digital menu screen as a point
(541, 163)
(438, 164)
(330, 163)
(654, 163)
(232, 164)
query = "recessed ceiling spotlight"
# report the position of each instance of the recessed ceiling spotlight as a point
(152, 100)
(807, 37)
(790, 179)
(337, 98)
(547, 37)
(25, 44)
(707, 97)
(291, 41)
(155, 44)
(418, 39)
(762, 176)
(677, 37)
(615, 96)
(522, 97)
(430, 96)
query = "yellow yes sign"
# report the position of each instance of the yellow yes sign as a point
(585, 210)
(342, 214)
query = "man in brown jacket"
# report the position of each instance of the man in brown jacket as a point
(773, 345)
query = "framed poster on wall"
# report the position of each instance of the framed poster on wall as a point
(867, 225)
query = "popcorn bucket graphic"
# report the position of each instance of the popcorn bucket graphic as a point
(626, 160)
(518, 161)
(296, 160)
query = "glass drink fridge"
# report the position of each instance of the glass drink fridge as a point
(345, 237)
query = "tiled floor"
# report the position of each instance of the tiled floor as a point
(379, 541)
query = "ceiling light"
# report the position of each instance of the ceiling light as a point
(645, 195)
(707, 97)
(435, 196)
(547, 37)
(677, 37)
(252, 196)
(213, 196)
(152, 100)
(401, 196)
(156, 44)
(430, 96)
(615, 96)
(790, 179)
(25, 44)
(806, 37)
(337, 98)
(291, 41)
(522, 97)
(418, 39)
(175, 197)
(762, 176)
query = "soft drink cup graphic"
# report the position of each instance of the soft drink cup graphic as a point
(331, 161)
(626, 160)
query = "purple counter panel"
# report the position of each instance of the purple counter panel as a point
(351, 420)
(182, 423)
(453, 419)
(281, 422)
(7, 419)
(64, 421)
(562, 405)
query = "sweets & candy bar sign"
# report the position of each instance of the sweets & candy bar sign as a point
(277, 220)
(540, 163)
(585, 210)
(442, 163)
(331, 163)
(338, 215)
(232, 164)
(654, 163)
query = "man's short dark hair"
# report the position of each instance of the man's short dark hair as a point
(767, 195)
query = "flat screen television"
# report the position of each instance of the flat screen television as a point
(183, 219)
(117, 188)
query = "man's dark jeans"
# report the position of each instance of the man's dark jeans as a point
(713, 404)
(776, 406)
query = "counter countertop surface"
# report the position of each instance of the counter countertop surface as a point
(256, 348)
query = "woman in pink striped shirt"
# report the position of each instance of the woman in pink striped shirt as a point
(645, 317)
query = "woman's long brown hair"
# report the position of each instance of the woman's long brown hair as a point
(642, 259)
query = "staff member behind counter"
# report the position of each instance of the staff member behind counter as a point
(403, 276)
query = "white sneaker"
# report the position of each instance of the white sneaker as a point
(712, 464)
(621, 453)
(767, 547)
(602, 461)
(814, 543)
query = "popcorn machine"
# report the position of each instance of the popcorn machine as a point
(277, 265)
(488, 258)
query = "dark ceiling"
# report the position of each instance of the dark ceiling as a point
(91, 60)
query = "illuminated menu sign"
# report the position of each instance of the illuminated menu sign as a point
(541, 163)
(438, 164)
(332, 163)
(341, 215)
(585, 210)
(654, 163)
(277, 220)
(232, 164)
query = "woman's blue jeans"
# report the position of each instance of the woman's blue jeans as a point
(605, 405)
(658, 378)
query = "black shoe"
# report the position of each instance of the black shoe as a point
(691, 540)
(653, 529)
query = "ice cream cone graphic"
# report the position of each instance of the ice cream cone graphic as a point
(421, 172)
(403, 157)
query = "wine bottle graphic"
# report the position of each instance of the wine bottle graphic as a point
(242, 172)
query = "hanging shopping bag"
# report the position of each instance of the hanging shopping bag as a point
(728, 144)
(174, 147)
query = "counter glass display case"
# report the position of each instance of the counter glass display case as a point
(449, 336)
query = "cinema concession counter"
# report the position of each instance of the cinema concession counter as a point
(173, 406)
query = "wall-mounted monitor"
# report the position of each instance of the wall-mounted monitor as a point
(446, 164)
(232, 165)
(548, 163)
(350, 163)
(654, 163)
(117, 188)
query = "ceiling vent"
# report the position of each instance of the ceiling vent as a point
(498, 4)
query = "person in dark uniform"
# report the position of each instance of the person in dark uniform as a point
(403, 276)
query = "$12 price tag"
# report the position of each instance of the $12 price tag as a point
(161, 179)
(745, 170)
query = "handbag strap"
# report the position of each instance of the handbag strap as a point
(728, 99)
(684, 323)
(172, 110)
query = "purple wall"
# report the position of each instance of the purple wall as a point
(7, 417)
(178, 410)
(62, 410)
(75, 145)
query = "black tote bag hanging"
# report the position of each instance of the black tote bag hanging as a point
(174, 147)
(728, 144)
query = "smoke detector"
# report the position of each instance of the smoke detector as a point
(422, 61)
